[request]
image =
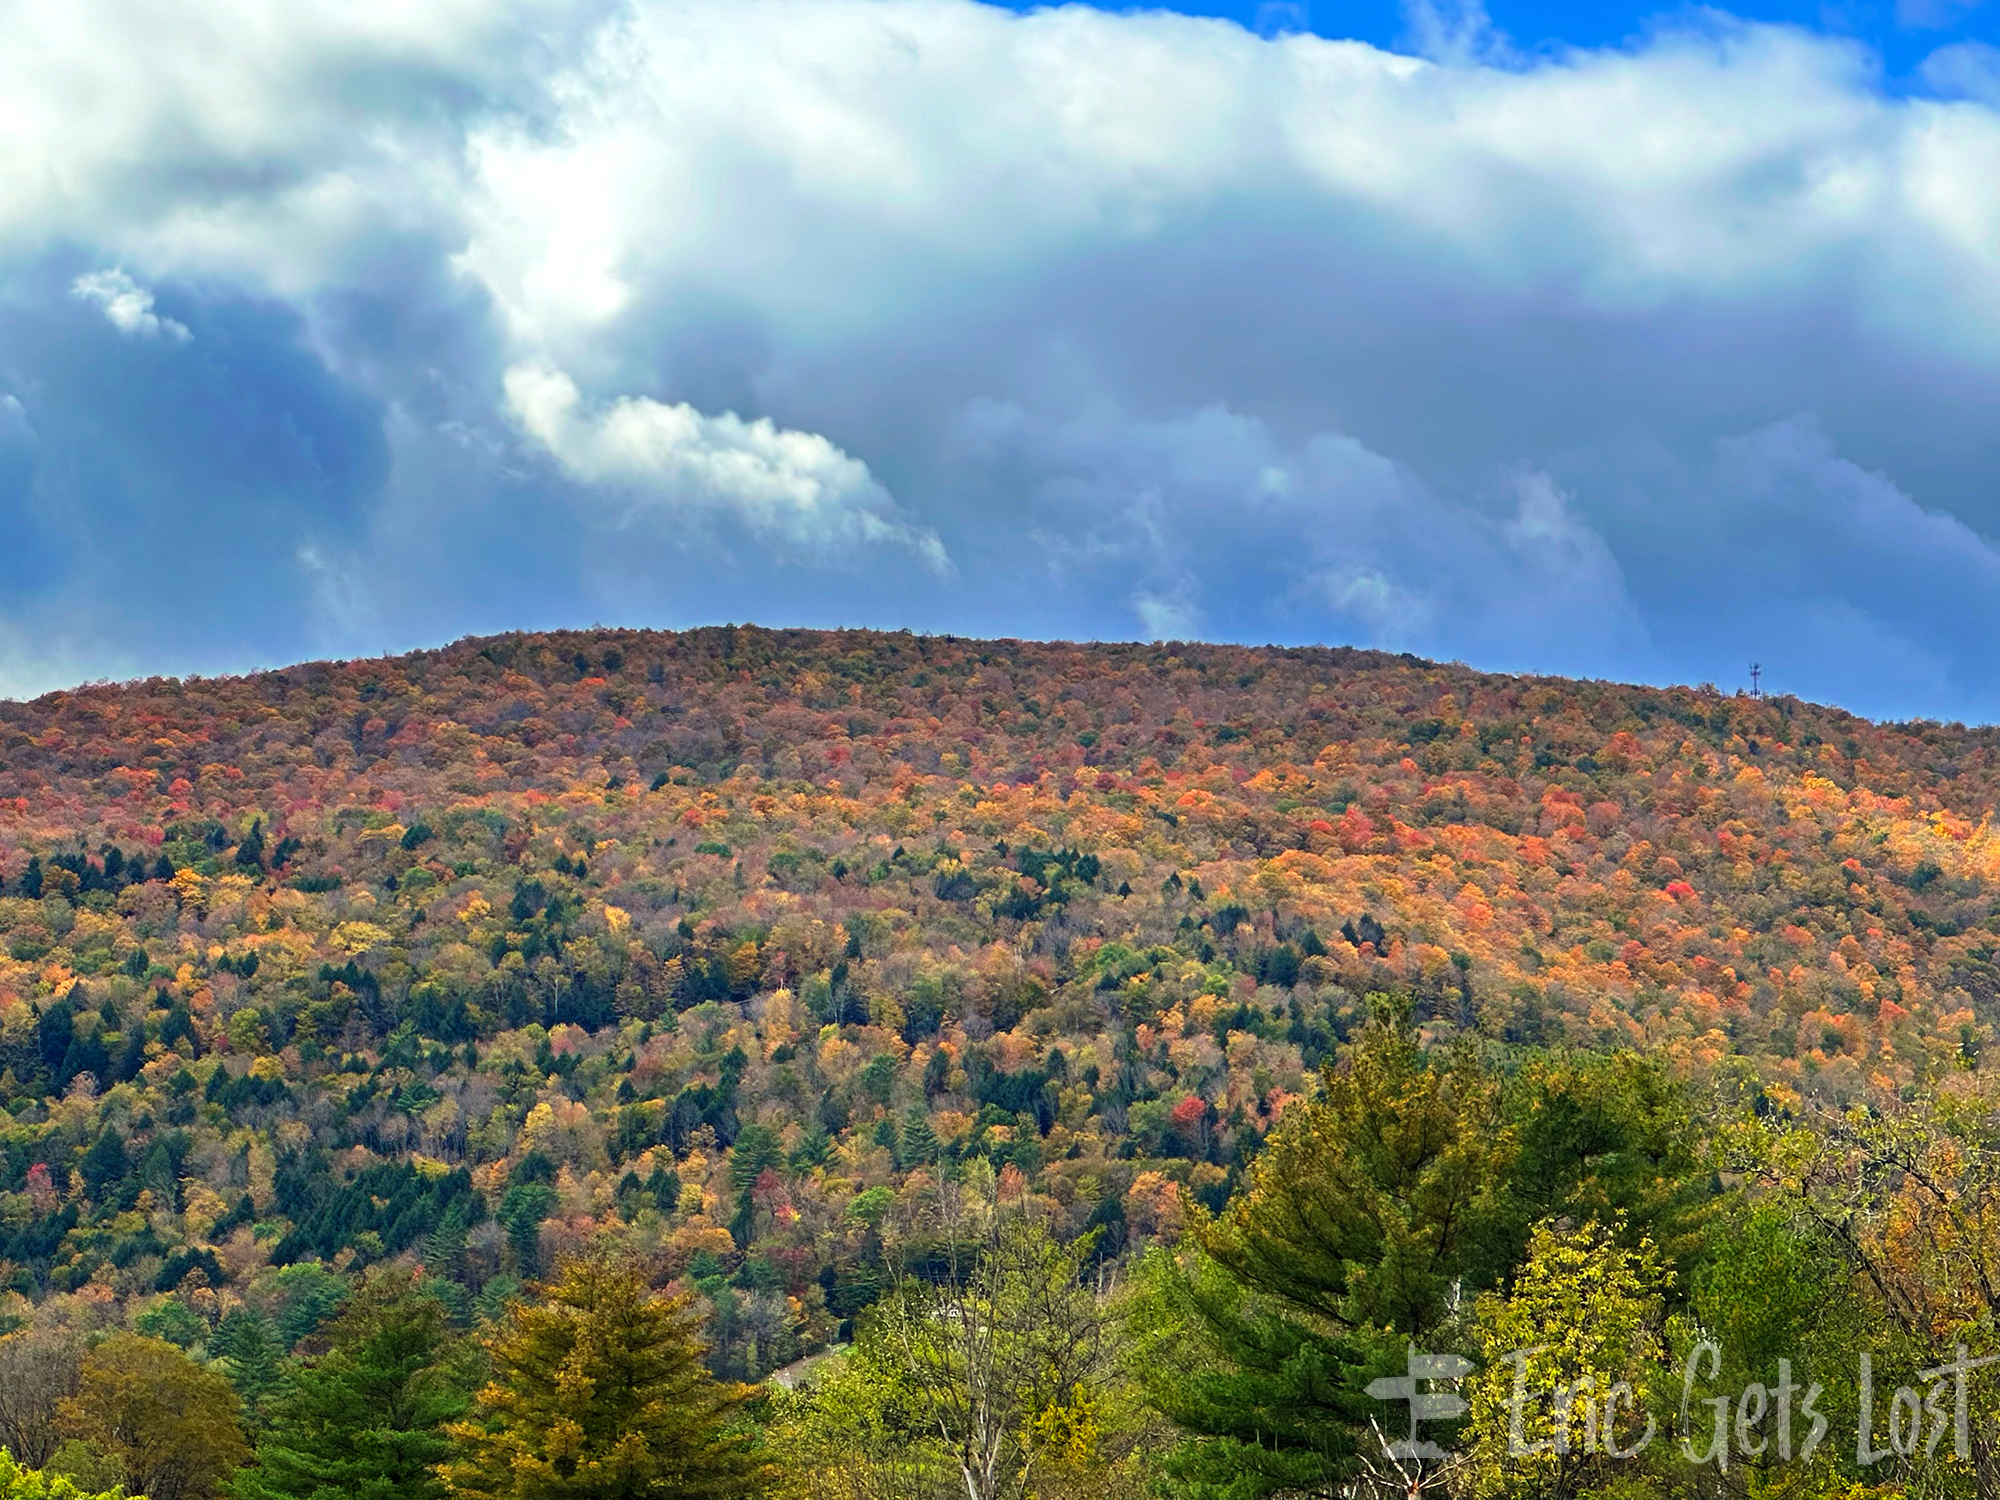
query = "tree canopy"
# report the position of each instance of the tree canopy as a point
(1311, 1003)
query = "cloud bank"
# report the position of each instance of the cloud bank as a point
(408, 321)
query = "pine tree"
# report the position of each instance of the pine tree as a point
(444, 1249)
(1411, 1184)
(757, 1151)
(249, 1347)
(364, 1421)
(1363, 1214)
(309, 1294)
(521, 1213)
(599, 1393)
(665, 1186)
(920, 1142)
(133, 1055)
(56, 1031)
(106, 1163)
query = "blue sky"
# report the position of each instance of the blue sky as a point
(1593, 341)
(1901, 32)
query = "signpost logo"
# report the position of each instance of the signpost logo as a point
(1425, 1405)
(1930, 1418)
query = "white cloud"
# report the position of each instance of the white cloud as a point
(794, 488)
(342, 607)
(128, 307)
(1964, 70)
(609, 172)
(1282, 17)
(1166, 619)
(828, 164)
(1453, 31)
(1387, 611)
(824, 162)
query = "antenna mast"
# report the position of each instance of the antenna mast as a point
(1756, 676)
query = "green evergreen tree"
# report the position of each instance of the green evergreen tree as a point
(757, 1150)
(1362, 1214)
(55, 1032)
(159, 1176)
(248, 1347)
(599, 1393)
(106, 1163)
(920, 1142)
(496, 1297)
(309, 1294)
(365, 1420)
(521, 1213)
(444, 1248)
(665, 1186)
(1371, 1218)
(250, 853)
(132, 1056)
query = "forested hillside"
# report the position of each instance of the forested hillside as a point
(722, 949)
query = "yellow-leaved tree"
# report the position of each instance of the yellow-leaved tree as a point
(599, 1393)
(17, 1483)
(1571, 1370)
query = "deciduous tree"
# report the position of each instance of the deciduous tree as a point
(21, 1483)
(39, 1367)
(175, 1425)
(1580, 1336)
(1007, 1347)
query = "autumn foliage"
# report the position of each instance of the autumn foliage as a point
(709, 944)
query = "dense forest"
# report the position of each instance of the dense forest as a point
(989, 1069)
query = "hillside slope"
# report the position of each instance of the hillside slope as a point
(710, 938)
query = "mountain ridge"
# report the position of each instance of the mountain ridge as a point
(710, 940)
